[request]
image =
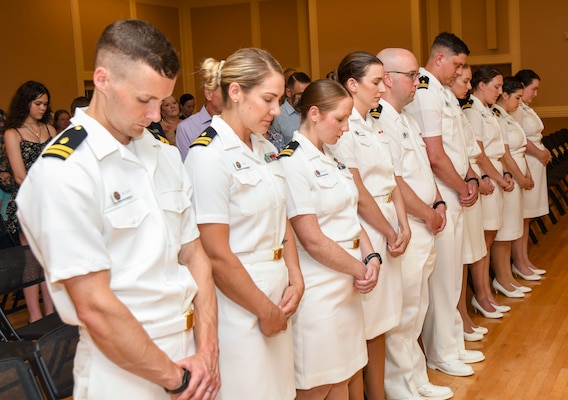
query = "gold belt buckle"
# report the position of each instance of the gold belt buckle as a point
(356, 243)
(389, 198)
(277, 254)
(189, 320)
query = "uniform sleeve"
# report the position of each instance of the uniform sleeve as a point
(211, 182)
(394, 147)
(475, 120)
(505, 129)
(426, 109)
(299, 200)
(345, 150)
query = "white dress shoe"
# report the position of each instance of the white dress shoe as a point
(472, 337)
(487, 314)
(501, 309)
(471, 356)
(523, 289)
(433, 392)
(509, 293)
(454, 367)
(532, 277)
(538, 270)
(481, 329)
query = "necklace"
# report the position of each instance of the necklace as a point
(36, 134)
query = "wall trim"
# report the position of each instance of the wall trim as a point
(552, 111)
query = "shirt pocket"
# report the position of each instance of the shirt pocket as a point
(128, 215)
(252, 197)
(174, 204)
(329, 198)
(410, 160)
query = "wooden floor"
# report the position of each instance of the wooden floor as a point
(527, 350)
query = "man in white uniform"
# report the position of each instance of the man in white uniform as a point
(116, 234)
(438, 115)
(405, 370)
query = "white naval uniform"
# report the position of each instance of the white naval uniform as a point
(405, 367)
(488, 131)
(438, 113)
(329, 337)
(120, 208)
(514, 136)
(238, 187)
(535, 200)
(474, 248)
(366, 148)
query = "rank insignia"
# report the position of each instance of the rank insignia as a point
(205, 138)
(496, 111)
(467, 104)
(289, 149)
(67, 143)
(340, 165)
(424, 82)
(376, 112)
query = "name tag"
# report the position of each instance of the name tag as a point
(119, 195)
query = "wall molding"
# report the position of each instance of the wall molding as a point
(552, 111)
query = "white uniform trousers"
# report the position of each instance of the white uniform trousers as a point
(405, 367)
(96, 377)
(443, 326)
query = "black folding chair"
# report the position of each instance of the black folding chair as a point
(17, 381)
(14, 261)
(53, 361)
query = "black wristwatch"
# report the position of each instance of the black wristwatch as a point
(484, 176)
(507, 173)
(473, 178)
(184, 383)
(438, 203)
(371, 256)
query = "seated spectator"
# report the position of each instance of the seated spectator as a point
(283, 126)
(170, 118)
(186, 105)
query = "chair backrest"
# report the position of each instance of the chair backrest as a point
(17, 381)
(53, 359)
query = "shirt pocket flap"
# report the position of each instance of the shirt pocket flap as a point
(174, 201)
(250, 178)
(128, 215)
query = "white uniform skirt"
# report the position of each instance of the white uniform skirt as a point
(252, 365)
(536, 200)
(96, 377)
(492, 205)
(382, 307)
(474, 248)
(512, 227)
(329, 337)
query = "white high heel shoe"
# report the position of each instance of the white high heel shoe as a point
(523, 289)
(509, 293)
(487, 314)
(533, 277)
(481, 329)
(538, 270)
(501, 308)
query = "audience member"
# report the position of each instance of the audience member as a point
(61, 120)
(191, 127)
(186, 105)
(240, 203)
(79, 102)
(27, 131)
(283, 126)
(170, 118)
(116, 233)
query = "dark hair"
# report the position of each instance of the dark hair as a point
(297, 77)
(355, 65)
(57, 114)
(81, 101)
(21, 102)
(185, 97)
(484, 74)
(451, 42)
(527, 76)
(136, 40)
(511, 85)
(323, 94)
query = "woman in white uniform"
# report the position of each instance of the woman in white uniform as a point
(474, 249)
(240, 202)
(536, 200)
(486, 83)
(365, 151)
(514, 161)
(337, 259)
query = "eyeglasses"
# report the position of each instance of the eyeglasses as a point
(411, 75)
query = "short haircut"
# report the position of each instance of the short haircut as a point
(136, 40)
(323, 94)
(484, 74)
(185, 97)
(355, 65)
(21, 102)
(527, 76)
(451, 42)
(81, 101)
(301, 77)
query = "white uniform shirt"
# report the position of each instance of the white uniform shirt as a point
(486, 128)
(513, 134)
(366, 147)
(473, 149)
(530, 122)
(328, 190)
(410, 159)
(437, 112)
(239, 187)
(112, 207)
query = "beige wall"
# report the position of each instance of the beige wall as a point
(54, 41)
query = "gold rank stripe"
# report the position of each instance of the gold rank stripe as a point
(287, 152)
(202, 141)
(59, 150)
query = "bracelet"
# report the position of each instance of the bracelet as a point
(184, 383)
(484, 176)
(473, 178)
(507, 173)
(371, 256)
(438, 203)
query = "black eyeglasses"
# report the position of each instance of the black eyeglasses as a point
(411, 75)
